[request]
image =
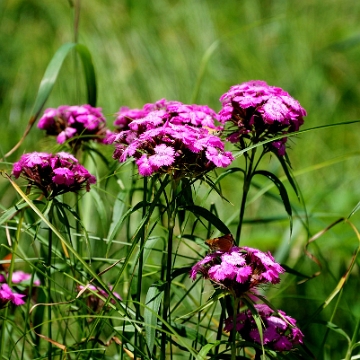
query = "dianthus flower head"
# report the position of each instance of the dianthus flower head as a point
(19, 277)
(259, 112)
(67, 122)
(238, 270)
(54, 174)
(7, 295)
(280, 332)
(169, 137)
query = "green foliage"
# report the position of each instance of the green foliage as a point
(191, 51)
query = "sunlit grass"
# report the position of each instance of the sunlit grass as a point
(144, 51)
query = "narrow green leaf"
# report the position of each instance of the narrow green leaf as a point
(210, 217)
(116, 226)
(189, 333)
(152, 301)
(283, 193)
(117, 214)
(228, 172)
(295, 133)
(50, 77)
(11, 212)
(202, 355)
(66, 245)
(354, 210)
(285, 165)
(48, 81)
(204, 61)
(89, 73)
(100, 209)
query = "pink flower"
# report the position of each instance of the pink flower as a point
(169, 136)
(20, 276)
(67, 122)
(257, 112)
(53, 174)
(63, 176)
(6, 295)
(238, 270)
(280, 332)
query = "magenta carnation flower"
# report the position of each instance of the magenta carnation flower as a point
(7, 295)
(259, 112)
(67, 122)
(279, 333)
(238, 270)
(169, 136)
(53, 174)
(19, 277)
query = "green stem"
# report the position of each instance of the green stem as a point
(77, 5)
(11, 270)
(250, 168)
(48, 267)
(140, 267)
(167, 295)
(353, 340)
(233, 331)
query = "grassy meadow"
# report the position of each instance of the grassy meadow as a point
(193, 51)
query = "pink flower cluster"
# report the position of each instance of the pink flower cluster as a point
(7, 295)
(280, 332)
(169, 136)
(19, 277)
(67, 122)
(54, 174)
(238, 270)
(259, 112)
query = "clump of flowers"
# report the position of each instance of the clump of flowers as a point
(19, 277)
(67, 122)
(21, 281)
(7, 295)
(170, 137)
(238, 270)
(93, 301)
(279, 333)
(259, 112)
(54, 174)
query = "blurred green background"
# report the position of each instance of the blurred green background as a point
(147, 50)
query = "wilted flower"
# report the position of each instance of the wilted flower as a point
(54, 174)
(239, 269)
(7, 295)
(93, 301)
(67, 122)
(259, 112)
(279, 333)
(169, 136)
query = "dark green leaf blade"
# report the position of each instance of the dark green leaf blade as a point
(283, 193)
(89, 72)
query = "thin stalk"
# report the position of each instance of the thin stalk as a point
(322, 346)
(220, 326)
(246, 187)
(167, 295)
(353, 340)
(140, 267)
(77, 6)
(48, 269)
(233, 331)
(11, 269)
